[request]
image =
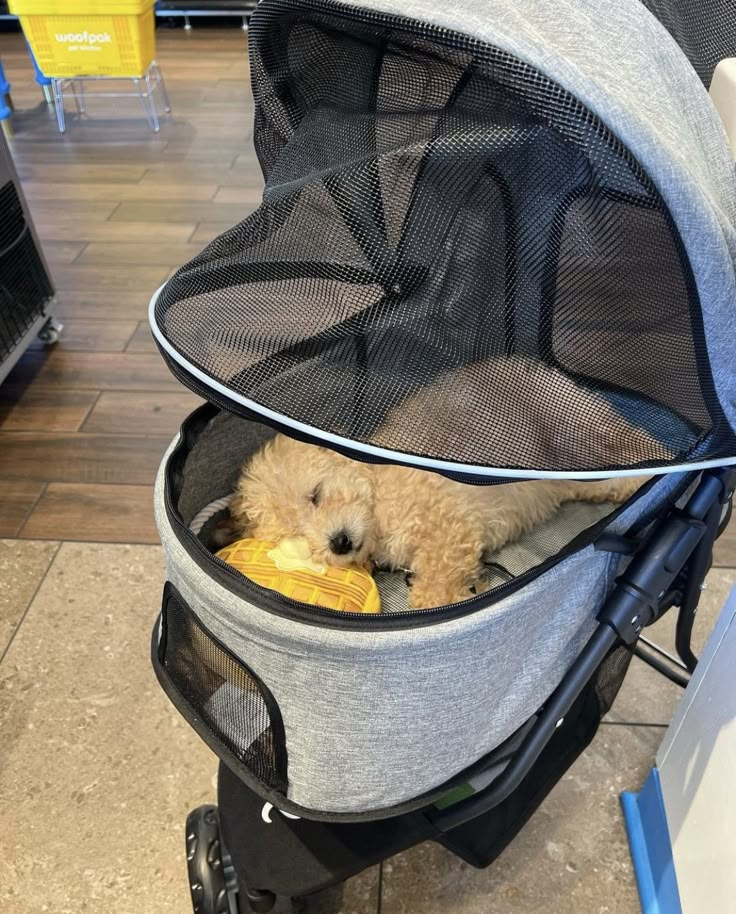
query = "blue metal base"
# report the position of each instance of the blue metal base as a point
(40, 78)
(651, 849)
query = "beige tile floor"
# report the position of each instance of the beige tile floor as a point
(97, 772)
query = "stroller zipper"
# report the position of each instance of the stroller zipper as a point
(274, 602)
(280, 605)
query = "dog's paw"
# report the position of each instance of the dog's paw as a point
(225, 533)
(432, 596)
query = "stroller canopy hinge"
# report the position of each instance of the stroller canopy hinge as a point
(640, 592)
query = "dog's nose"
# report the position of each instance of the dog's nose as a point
(341, 543)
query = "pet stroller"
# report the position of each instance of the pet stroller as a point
(457, 196)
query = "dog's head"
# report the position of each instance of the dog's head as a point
(292, 489)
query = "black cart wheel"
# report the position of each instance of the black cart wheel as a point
(213, 883)
(211, 878)
(50, 332)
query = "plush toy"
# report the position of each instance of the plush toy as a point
(289, 569)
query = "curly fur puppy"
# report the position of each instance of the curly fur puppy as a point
(354, 514)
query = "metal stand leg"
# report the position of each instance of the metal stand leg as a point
(151, 102)
(79, 96)
(164, 90)
(58, 88)
(142, 97)
(146, 87)
(149, 107)
(48, 95)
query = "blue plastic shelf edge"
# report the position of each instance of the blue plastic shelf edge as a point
(651, 848)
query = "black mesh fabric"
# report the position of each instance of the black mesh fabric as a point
(610, 677)
(228, 700)
(25, 289)
(454, 259)
(704, 29)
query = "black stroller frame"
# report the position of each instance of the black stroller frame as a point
(245, 856)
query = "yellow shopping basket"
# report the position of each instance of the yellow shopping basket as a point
(89, 37)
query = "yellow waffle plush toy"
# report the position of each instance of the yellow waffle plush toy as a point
(289, 569)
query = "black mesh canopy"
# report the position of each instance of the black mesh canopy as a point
(455, 260)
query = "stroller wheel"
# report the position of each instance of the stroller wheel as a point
(210, 871)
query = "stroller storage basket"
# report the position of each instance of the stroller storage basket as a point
(481, 253)
(348, 718)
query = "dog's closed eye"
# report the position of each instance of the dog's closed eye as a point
(316, 495)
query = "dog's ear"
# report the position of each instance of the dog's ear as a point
(257, 506)
(250, 498)
(240, 521)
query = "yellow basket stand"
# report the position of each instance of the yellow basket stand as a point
(74, 38)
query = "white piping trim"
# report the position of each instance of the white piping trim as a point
(410, 459)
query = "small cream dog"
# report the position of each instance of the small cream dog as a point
(353, 513)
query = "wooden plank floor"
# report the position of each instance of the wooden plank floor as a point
(118, 208)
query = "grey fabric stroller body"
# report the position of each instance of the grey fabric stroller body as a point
(460, 200)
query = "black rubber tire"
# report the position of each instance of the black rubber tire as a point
(204, 862)
(207, 880)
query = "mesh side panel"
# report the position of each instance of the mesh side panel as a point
(610, 676)
(231, 702)
(453, 259)
(704, 29)
(24, 286)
